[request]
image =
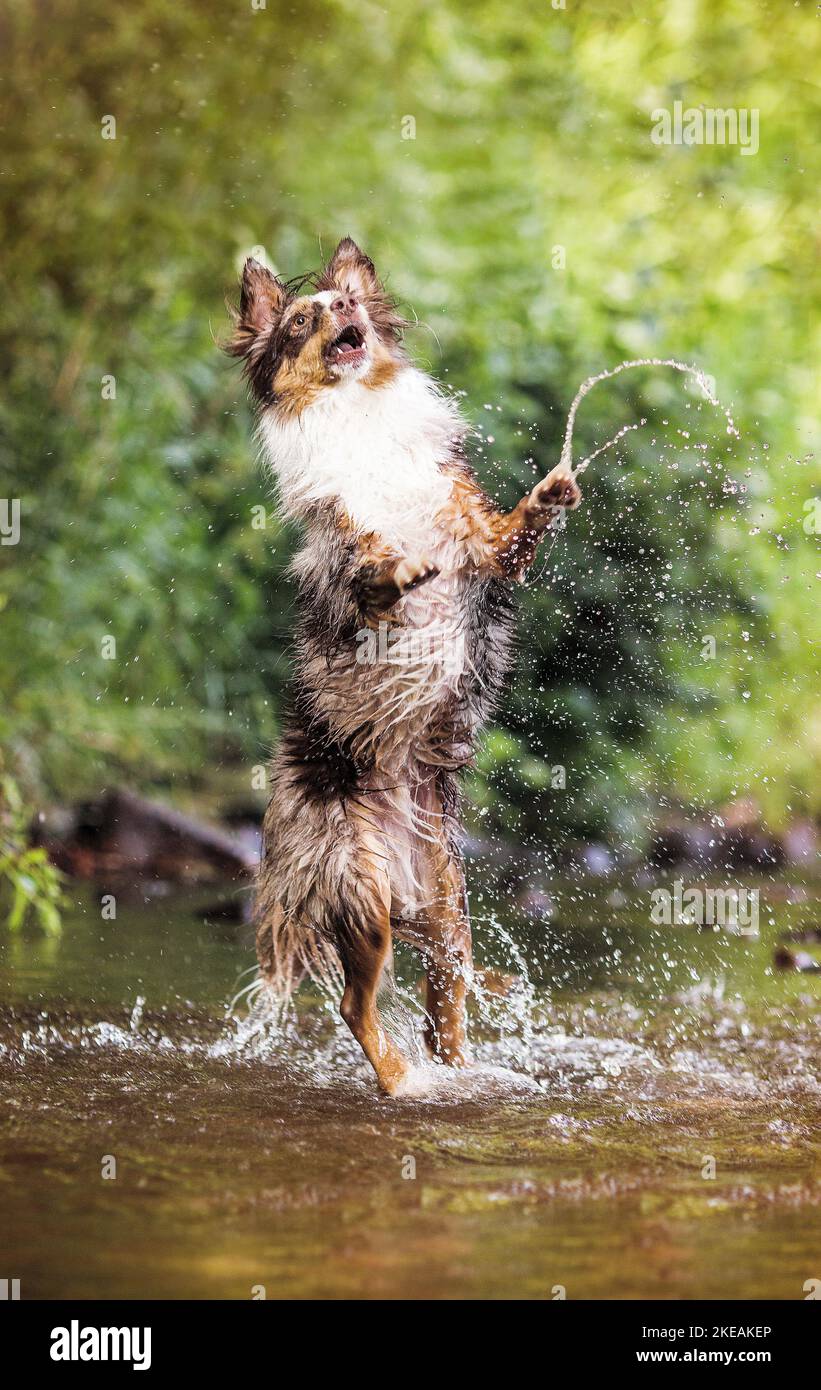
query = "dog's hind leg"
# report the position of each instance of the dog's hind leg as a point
(440, 931)
(363, 938)
(448, 960)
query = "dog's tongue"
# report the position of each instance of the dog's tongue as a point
(350, 340)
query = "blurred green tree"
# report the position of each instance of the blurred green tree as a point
(497, 163)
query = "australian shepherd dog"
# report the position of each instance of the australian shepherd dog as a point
(405, 578)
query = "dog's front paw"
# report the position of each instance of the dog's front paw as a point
(413, 571)
(558, 489)
(379, 588)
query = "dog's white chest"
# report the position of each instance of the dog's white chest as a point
(377, 452)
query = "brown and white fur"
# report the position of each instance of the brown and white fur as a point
(405, 579)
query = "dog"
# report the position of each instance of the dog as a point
(405, 578)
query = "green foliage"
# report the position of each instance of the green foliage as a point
(31, 884)
(283, 128)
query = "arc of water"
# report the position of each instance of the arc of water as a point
(586, 386)
(559, 518)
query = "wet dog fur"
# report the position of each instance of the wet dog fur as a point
(405, 578)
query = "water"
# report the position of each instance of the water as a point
(701, 379)
(705, 384)
(572, 1155)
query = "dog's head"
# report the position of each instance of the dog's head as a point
(296, 343)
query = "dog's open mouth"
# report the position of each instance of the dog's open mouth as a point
(348, 347)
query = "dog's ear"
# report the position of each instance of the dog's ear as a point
(262, 300)
(350, 269)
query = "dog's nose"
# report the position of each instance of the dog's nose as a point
(346, 304)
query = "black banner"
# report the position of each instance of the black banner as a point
(82, 1339)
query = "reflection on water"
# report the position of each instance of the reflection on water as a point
(630, 1064)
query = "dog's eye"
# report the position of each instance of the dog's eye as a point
(300, 320)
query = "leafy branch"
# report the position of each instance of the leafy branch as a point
(35, 884)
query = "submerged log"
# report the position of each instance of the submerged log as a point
(785, 959)
(736, 839)
(126, 835)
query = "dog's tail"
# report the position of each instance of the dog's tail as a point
(288, 950)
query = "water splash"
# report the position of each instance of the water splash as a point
(512, 1017)
(578, 1052)
(703, 380)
